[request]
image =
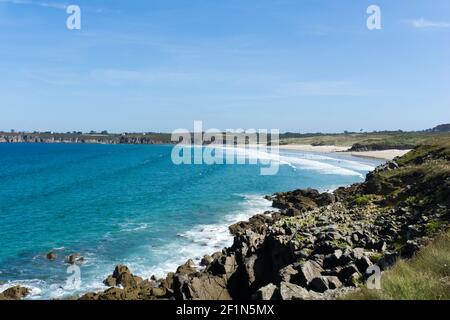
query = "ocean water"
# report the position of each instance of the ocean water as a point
(129, 204)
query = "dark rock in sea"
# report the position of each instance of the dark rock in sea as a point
(123, 277)
(74, 258)
(15, 293)
(51, 256)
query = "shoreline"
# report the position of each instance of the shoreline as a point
(388, 154)
(316, 246)
(319, 246)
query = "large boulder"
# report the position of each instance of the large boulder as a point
(290, 291)
(207, 287)
(188, 268)
(308, 271)
(15, 293)
(122, 276)
(223, 265)
(51, 256)
(74, 258)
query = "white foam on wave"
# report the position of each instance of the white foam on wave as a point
(201, 239)
(132, 226)
(303, 161)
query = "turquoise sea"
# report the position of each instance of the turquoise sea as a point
(130, 204)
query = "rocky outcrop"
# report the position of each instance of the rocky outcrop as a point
(318, 245)
(15, 293)
(155, 138)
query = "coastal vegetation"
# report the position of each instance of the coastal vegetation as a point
(365, 141)
(356, 141)
(426, 276)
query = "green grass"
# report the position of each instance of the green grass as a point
(424, 277)
(362, 200)
(394, 139)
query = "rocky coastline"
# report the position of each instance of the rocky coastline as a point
(74, 138)
(316, 245)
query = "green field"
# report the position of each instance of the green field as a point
(371, 141)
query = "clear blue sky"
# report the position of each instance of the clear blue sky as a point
(158, 65)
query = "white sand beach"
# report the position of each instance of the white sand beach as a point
(383, 154)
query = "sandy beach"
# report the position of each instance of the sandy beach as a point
(383, 154)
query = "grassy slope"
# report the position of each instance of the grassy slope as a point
(427, 275)
(424, 277)
(394, 139)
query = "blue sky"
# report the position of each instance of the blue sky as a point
(158, 65)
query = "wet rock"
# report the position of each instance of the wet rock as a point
(74, 258)
(51, 256)
(122, 276)
(110, 281)
(15, 293)
(206, 260)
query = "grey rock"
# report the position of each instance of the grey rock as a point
(334, 282)
(268, 292)
(289, 291)
(308, 271)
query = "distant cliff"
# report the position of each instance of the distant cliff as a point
(152, 138)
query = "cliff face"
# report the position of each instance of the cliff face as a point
(318, 246)
(75, 138)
